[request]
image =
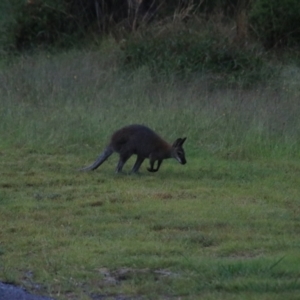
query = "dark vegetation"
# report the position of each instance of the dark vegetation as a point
(231, 38)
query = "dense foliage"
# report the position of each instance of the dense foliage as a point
(276, 23)
(227, 37)
(34, 23)
(183, 51)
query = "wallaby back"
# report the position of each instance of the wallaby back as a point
(138, 139)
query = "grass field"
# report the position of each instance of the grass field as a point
(224, 226)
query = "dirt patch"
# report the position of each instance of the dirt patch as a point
(117, 276)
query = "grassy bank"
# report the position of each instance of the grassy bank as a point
(225, 226)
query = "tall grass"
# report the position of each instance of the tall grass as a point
(74, 100)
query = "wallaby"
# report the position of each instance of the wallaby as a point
(145, 143)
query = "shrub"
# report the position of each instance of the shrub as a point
(45, 23)
(182, 50)
(276, 23)
(60, 22)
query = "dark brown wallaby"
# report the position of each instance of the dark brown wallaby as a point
(145, 143)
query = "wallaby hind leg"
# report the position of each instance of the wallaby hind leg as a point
(100, 159)
(137, 164)
(122, 161)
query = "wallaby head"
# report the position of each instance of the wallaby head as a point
(178, 151)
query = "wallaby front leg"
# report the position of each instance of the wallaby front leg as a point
(151, 169)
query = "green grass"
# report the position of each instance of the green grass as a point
(224, 226)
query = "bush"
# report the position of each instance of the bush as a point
(60, 23)
(275, 22)
(8, 9)
(45, 23)
(182, 50)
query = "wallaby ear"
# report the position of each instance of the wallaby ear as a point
(182, 141)
(179, 142)
(176, 143)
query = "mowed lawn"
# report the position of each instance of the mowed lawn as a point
(212, 229)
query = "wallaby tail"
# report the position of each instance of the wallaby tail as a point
(100, 159)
